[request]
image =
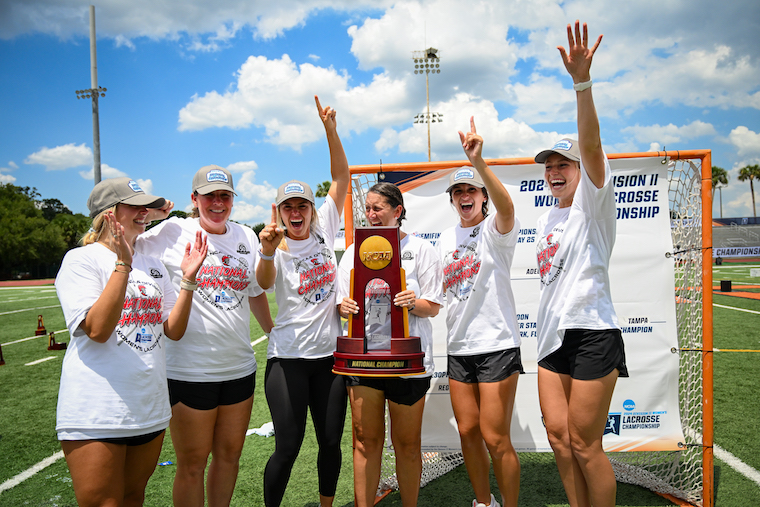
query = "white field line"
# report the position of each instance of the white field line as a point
(737, 464)
(258, 340)
(737, 309)
(29, 299)
(38, 361)
(15, 481)
(30, 309)
(28, 287)
(33, 337)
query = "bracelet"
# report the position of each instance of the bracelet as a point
(117, 270)
(414, 305)
(122, 263)
(579, 87)
(188, 285)
(265, 256)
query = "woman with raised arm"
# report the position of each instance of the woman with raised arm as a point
(580, 346)
(119, 305)
(483, 336)
(384, 207)
(212, 374)
(298, 259)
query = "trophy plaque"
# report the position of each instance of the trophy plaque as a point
(377, 257)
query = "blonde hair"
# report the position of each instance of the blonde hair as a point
(98, 224)
(313, 224)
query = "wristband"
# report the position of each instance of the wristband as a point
(188, 285)
(414, 305)
(122, 263)
(579, 87)
(265, 256)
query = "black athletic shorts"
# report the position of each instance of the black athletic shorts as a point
(488, 367)
(588, 354)
(404, 391)
(132, 441)
(209, 395)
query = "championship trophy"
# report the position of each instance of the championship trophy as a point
(377, 255)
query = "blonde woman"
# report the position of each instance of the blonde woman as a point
(119, 305)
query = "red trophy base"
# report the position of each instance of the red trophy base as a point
(405, 357)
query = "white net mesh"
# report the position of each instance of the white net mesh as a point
(675, 473)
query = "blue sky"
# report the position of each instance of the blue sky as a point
(231, 82)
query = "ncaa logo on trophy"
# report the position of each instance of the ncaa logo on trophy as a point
(377, 257)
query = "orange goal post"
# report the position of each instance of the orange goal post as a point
(684, 476)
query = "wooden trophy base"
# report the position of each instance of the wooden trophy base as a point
(405, 357)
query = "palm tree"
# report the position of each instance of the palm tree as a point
(322, 189)
(750, 172)
(719, 180)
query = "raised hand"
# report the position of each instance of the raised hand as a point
(327, 115)
(577, 58)
(120, 244)
(194, 257)
(271, 235)
(472, 143)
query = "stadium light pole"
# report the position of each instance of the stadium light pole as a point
(427, 62)
(94, 92)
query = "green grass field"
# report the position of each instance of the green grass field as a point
(28, 398)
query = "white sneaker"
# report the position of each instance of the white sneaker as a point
(493, 503)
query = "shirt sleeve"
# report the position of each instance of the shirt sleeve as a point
(344, 273)
(329, 220)
(79, 284)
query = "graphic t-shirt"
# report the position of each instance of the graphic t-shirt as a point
(573, 254)
(307, 323)
(217, 344)
(423, 276)
(117, 388)
(480, 305)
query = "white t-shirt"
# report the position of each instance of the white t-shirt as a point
(481, 315)
(117, 388)
(573, 253)
(423, 276)
(307, 323)
(217, 344)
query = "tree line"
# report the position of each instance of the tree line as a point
(36, 233)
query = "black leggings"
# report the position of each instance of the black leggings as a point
(292, 385)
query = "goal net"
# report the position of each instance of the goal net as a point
(683, 470)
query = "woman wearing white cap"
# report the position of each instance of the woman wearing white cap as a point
(301, 267)
(212, 375)
(580, 347)
(119, 305)
(483, 344)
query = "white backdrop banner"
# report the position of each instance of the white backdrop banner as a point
(644, 413)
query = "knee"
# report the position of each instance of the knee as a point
(193, 465)
(368, 444)
(559, 439)
(407, 448)
(583, 449)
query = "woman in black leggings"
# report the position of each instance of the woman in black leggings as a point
(301, 266)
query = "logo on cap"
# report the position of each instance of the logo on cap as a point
(464, 174)
(563, 145)
(134, 186)
(216, 175)
(294, 188)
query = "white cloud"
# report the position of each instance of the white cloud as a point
(250, 213)
(8, 178)
(240, 167)
(746, 141)
(61, 157)
(146, 185)
(106, 172)
(670, 134)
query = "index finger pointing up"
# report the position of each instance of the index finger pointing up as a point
(472, 125)
(319, 106)
(274, 213)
